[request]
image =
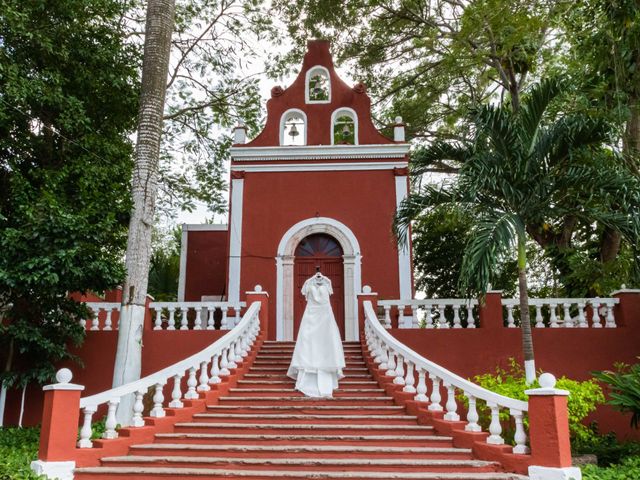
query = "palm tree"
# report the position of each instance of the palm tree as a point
(522, 171)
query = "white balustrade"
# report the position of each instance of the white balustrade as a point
(98, 310)
(203, 315)
(232, 345)
(449, 312)
(566, 312)
(379, 340)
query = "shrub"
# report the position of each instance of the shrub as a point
(606, 447)
(624, 384)
(18, 447)
(584, 398)
(629, 469)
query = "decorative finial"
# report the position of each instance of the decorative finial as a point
(547, 380)
(64, 375)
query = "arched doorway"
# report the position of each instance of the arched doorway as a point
(324, 251)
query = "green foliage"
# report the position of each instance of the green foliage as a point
(624, 385)
(18, 447)
(606, 447)
(438, 238)
(584, 396)
(629, 469)
(165, 265)
(68, 103)
(527, 173)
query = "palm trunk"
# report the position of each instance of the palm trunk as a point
(144, 186)
(525, 321)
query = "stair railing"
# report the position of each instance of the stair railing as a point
(212, 363)
(392, 355)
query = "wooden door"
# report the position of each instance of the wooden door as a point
(319, 250)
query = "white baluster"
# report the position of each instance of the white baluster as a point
(435, 394)
(595, 319)
(230, 357)
(108, 324)
(184, 321)
(83, 323)
(224, 323)
(495, 429)
(456, 316)
(215, 370)
(399, 380)
(568, 321)
(391, 364)
(582, 320)
(510, 321)
(111, 423)
(409, 380)
(210, 318)
(471, 323)
(553, 320)
(451, 405)
(237, 351)
(86, 430)
(402, 321)
(520, 436)
(158, 399)
(176, 393)
(414, 316)
(197, 323)
(192, 394)
(421, 390)
(224, 365)
(244, 345)
(138, 407)
(429, 316)
(472, 415)
(611, 321)
(442, 319)
(539, 318)
(158, 323)
(95, 322)
(171, 323)
(204, 378)
(387, 316)
(236, 309)
(384, 357)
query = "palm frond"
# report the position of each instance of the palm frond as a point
(493, 238)
(534, 106)
(416, 203)
(434, 156)
(495, 126)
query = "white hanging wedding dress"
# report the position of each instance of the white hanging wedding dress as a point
(318, 357)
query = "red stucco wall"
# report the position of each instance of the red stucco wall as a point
(206, 268)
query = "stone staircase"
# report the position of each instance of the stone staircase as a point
(264, 429)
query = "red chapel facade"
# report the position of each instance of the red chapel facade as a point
(317, 188)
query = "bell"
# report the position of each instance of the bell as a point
(294, 131)
(346, 131)
(317, 89)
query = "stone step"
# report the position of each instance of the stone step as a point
(283, 369)
(290, 427)
(290, 439)
(306, 418)
(297, 400)
(268, 392)
(285, 363)
(283, 376)
(388, 410)
(326, 464)
(289, 384)
(172, 473)
(303, 450)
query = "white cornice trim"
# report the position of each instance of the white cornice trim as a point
(319, 152)
(319, 167)
(205, 227)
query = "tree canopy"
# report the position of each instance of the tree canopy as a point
(68, 103)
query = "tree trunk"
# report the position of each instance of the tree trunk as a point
(525, 320)
(3, 390)
(144, 187)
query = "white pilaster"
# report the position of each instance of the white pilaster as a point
(235, 239)
(404, 258)
(183, 262)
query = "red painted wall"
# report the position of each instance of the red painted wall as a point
(564, 352)
(206, 269)
(363, 200)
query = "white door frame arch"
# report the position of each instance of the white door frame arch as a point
(284, 273)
